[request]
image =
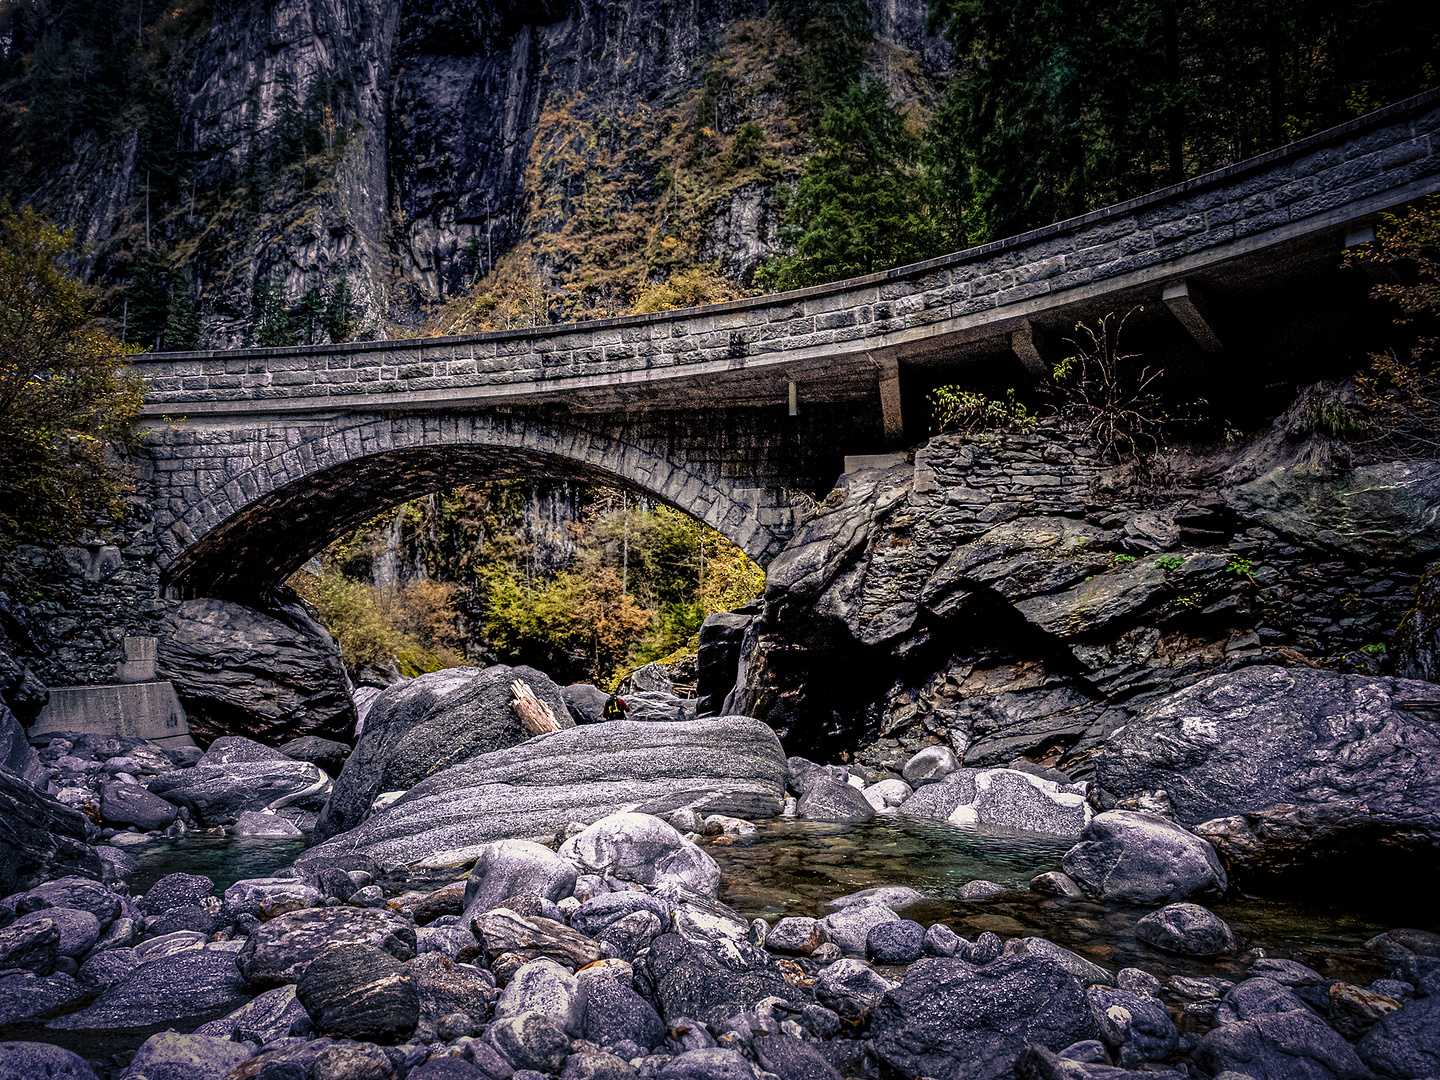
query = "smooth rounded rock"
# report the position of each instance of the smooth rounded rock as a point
(79, 930)
(279, 951)
(199, 1055)
(41, 1061)
(897, 942)
(1141, 858)
(543, 986)
(614, 1012)
(796, 935)
(509, 868)
(130, 804)
(529, 1041)
(644, 849)
(929, 765)
(175, 891)
(849, 928)
(1187, 929)
(1136, 1025)
(831, 800)
(175, 989)
(851, 988)
(712, 1063)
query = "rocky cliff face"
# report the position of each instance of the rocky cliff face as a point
(1005, 596)
(412, 150)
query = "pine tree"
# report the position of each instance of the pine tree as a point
(309, 314)
(182, 322)
(339, 317)
(270, 322)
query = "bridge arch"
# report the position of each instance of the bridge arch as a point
(246, 507)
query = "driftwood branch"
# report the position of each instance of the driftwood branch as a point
(535, 716)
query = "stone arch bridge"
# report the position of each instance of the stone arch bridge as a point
(740, 412)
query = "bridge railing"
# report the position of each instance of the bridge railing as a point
(1374, 162)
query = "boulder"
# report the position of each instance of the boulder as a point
(265, 898)
(421, 727)
(360, 992)
(218, 794)
(731, 765)
(130, 804)
(78, 930)
(503, 931)
(1138, 1026)
(509, 868)
(897, 942)
(796, 934)
(327, 754)
(1405, 1043)
(26, 997)
(709, 983)
(831, 800)
(175, 891)
(445, 986)
(929, 765)
(269, 826)
(1295, 765)
(887, 794)
(950, 1020)
(200, 1056)
(850, 988)
(529, 1041)
(585, 702)
(279, 951)
(1188, 929)
(722, 635)
(32, 946)
(229, 749)
(1021, 800)
(43, 838)
(1140, 858)
(545, 987)
(271, 674)
(1294, 1045)
(643, 849)
(850, 927)
(1091, 974)
(275, 1014)
(33, 1061)
(659, 707)
(614, 1012)
(791, 1059)
(185, 987)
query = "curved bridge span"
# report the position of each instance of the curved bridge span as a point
(731, 412)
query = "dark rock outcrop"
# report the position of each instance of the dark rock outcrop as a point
(272, 675)
(684, 978)
(191, 985)
(1416, 644)
(218, 794)
(950, 1019)
(41, 838)
(360, 992)
(421, 727)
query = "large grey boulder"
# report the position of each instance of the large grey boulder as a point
(708, 982)
(218, 794)
(1295, 1045)
(1286, 766)
(643, 849)
(271, 675)
(418, 728)
(730, 765)
(185, 986)
(31, 1060)
(1140, 858)
(509, 868)
(278, 952)
(831, 800)
(951, 1020)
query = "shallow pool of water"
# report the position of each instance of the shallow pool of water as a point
(791, 867)
(223, 859)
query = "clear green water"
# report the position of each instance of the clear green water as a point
(793, 867)
(224, 860)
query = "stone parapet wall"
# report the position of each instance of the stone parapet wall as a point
(1373, 162)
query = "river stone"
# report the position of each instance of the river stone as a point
(1019, 800)
(176, 891)
(278, 951)
(938, 801)
(850, 927)
(940, 940)
(218, 794)
(595, 915)
(183, 988)
(643, 849)
(585, 702)
(797, 935)
(360, 992)
(421, 727)
(41, 1061)
(710, 1063)
(43, 838)
(730, 765)
(1141, 858)
(1405, 1043)
(445, 986)
(831, 800)
(195, 1057)
(1293, 1045)
(253, 823)
(949, 1020)
(502, 931)
(895, 897)
(326, 754)
(850, 988)
(929, 765)
(1330, 752)
(1137, 1025)
(710, 983)
(79, 930)
(1188, 929)
(887, 794)
(614, 1012)
(107, 967)
(33, 946)
(897, 942)
(509, 868)
(130, 804)
(792, 1059)
(265, 898)
(28, 997)
(229, 749)
(529, 1041)
(271, 674)
(545, 987)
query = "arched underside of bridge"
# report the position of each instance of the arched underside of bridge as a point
(287, 497)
